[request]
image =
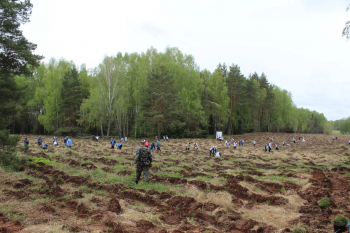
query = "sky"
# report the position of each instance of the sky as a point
(298, 44)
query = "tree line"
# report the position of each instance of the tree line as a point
(153, 93)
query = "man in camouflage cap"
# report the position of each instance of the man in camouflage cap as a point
(143, 162)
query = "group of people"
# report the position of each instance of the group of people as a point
(67, 142)
(113, 144)
(196, 147)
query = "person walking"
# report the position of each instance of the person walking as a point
(142, 162)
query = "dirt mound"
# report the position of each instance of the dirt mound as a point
(73, 163)
(200, 184)
(152, 192)
(78, 194)
(89, 166)
(172, 180)
(108, 169)
(114, 205)
(165, 195)
(71, 228)
(124, 173)
(145, 225)
(10, 227)
(56, 191)
(256, 173)
(18, 194)
(22, 184)
(78, 180)
(47, 208)
(105, 161)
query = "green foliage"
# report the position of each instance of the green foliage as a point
(340, 220)
(152, 93)
(328, 128)
(16, 52)
(43, 160)
(324, 203)
(299, 229)
(72, 96)
(7, 142)
(64, 131)
(344, 125)
(10, 160)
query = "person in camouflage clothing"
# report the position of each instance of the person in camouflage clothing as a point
(143, 162)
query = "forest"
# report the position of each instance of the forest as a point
(153, 93)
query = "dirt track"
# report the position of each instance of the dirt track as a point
(89, 188)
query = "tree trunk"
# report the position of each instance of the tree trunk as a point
(136, 120)
(101, 131)
(159, 130)
(109, 125)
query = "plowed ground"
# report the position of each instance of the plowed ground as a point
(89, 188)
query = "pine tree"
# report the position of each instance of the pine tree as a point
(159, 104)
(72, 96)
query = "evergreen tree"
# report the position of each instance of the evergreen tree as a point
(72, 96)
(16, 53)
(159, 103)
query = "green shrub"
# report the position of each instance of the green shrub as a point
(10, 160)
(324, 203)
(299, 229)
(340, 220)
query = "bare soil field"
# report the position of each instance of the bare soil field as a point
(90, 188)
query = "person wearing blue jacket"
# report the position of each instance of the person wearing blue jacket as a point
(158, 145)
(40, 140)
(119, 146)
(65, 141)
(112, 143)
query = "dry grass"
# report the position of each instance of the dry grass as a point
(295, 159)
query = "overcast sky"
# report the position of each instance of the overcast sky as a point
(296, 43)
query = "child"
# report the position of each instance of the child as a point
(254, 143)
(119, 146)
(188, 146)
(112, 143)
(44, 146)
(277, 147)
(40, 140)
(234, 145)
(158, 145)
